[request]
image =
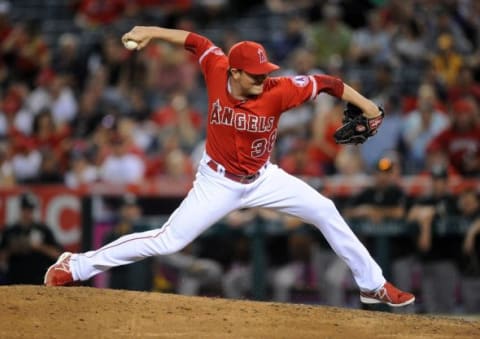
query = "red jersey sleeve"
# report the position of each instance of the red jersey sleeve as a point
(205, 52)
(298, 89)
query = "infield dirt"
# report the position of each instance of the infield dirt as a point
(84, 312)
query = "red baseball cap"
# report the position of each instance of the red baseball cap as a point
(251, 58)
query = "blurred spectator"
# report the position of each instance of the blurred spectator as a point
(26, 160)
(330, 38)
(27, 247)
(68, 60)
(469, 205)
(285, 42)
(47, 134)
(54, 94)
(7, 179)
(122, 166)
(444, 22)
(194, 274)
(91, 13)
(312, 267)
(371, 44)
(437, 251)
(298, 161)
(461, 141)
(90, 113)
(409, 45)
(181, 119)
(383, 200)
(50, 170)
(465, 86)
(237, 280)
(18, 116)
(349, 163)
(323, 149)
(138, 276)
(81, 172)
(25, 51)
(421, 126)
(295, 123)
(447, 62)
(178, 166)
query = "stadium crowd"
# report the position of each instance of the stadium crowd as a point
(77, 108)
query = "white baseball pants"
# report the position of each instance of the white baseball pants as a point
(212, 197)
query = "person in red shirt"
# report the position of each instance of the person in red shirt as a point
(461, 141)
(244, 106)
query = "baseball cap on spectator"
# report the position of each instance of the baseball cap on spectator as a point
(384, 165)
(27, 201)
(250, 57)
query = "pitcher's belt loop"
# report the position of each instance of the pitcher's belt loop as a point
(243, 179)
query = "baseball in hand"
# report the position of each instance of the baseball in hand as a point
(131, 44)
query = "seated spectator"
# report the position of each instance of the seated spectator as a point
(138, 276)
(329, 38)
(25, 51)
(121, 166)
(421, 126)
(437, 251)
(69, 61)
(53, 93)
(447, 62)
(288, 40)
(371, 44)
(469, 205)
(179, 117)
(50, 170)
(349, 163)
(27, 247)
(383, 200)
(295, 123)
(81, 172)
(194, 274)
(465, 86)
(7, 179)
(461, 141)
(26, 160)
(409, 44)
(298, 161)
(312, 267)
(47, 134)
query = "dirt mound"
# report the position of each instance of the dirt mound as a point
(83, 312)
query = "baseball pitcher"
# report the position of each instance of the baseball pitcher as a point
(244, 107)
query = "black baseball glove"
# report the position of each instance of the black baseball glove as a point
(357, 128)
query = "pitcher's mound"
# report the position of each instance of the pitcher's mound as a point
(83, 312)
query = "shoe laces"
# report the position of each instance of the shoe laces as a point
(382, 294)
(64, 265)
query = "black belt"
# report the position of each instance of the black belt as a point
(243, 179)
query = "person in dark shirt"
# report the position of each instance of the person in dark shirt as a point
(469, 205)
(437, 251)
(27, 247)
(138, 276)
(384, 202)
